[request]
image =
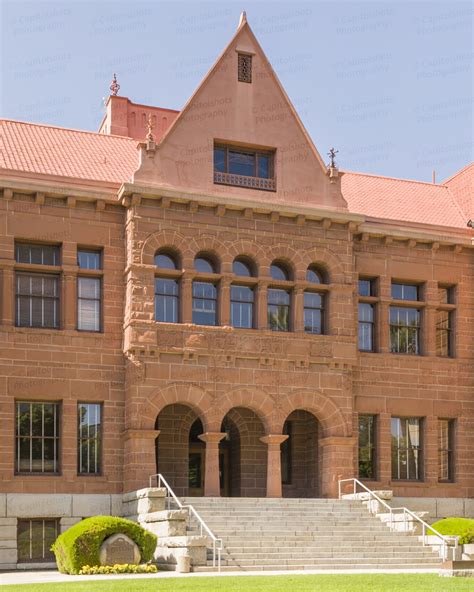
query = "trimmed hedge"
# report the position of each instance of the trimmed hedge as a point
(80, 545)
(462, 527)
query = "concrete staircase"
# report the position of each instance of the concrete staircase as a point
(291, 534)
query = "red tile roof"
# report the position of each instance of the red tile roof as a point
(402, 200)
(48, 150)
(462, 186)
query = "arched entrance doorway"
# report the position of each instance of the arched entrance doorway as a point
(300, 458)
(179, 452)
(243, 457)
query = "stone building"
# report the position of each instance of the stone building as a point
(197, 293)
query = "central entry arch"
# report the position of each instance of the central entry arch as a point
(300, 455)
(242, 455)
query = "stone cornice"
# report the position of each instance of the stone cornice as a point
(248, 206)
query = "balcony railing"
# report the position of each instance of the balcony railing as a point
(244, 181)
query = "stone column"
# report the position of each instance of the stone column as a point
(298, 310)
(211, 469)
(224, 303)
(262, 320)
(338, 462)
(8, 295)
(274, 463)
(69, 309)
(139, 458)
(187, 299)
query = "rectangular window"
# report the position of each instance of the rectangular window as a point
(407, 450)
(166, 300)
(405, 291)
(366, 326)
(446, 294)
(404, 330)
(285, 448)
(446, 449)
(204, 304)
(241, 306)
(366, 287)
(89, 259)
(37, 437)
(34, 539)
(244, 167)
(313, 313)
(37, 254)
(367, 466)
(89, 445)
(278, 310)
(37, 300)
(444, 345)
(88, 303)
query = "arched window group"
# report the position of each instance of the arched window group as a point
(246, 294)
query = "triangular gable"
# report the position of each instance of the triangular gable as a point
(257, 114)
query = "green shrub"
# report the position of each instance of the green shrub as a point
(462, 527)
(93, 570)
(80, 545)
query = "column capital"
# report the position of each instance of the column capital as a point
(212, 437)
(140, 434)
(274, 439)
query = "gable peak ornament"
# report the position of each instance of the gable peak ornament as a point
(243, 18)
(332, 167)
(115, 86)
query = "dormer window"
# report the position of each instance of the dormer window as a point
(244, 68)
(244, 167)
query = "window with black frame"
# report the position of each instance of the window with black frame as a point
(166, 289)
(367, 447)
(407, 449)
(37, 437)
(405, 321)
(278, 305)
(37, 291)
(244, 167)
(34, 539)
(89, 444)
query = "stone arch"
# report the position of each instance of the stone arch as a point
(207, 244)
(326, 411)
(328, 261)
(191, 395)
(246, 248)
(292, 257)
(257, 400)
(162, 239)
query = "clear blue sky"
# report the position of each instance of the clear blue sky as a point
(387, 83)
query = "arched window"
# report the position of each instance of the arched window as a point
(166, 289)
(279, 271)
(204, 264)
(166, 260)
(242, 266)
(314, 302)
(204, 293)
(315, 275)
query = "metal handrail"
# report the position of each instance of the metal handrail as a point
(217, 544)
(446, 539)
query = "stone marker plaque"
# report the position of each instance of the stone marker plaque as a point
(119, 549)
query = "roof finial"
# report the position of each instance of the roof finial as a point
(115, 86)
(332, 155)
(243, 18)
(149, 135)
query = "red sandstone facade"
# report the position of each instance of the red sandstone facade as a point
(154, 380)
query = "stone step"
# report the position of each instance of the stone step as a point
(387, 560)
(332, 554)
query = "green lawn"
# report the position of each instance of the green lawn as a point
(310, 583)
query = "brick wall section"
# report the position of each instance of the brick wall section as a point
(63, 365)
